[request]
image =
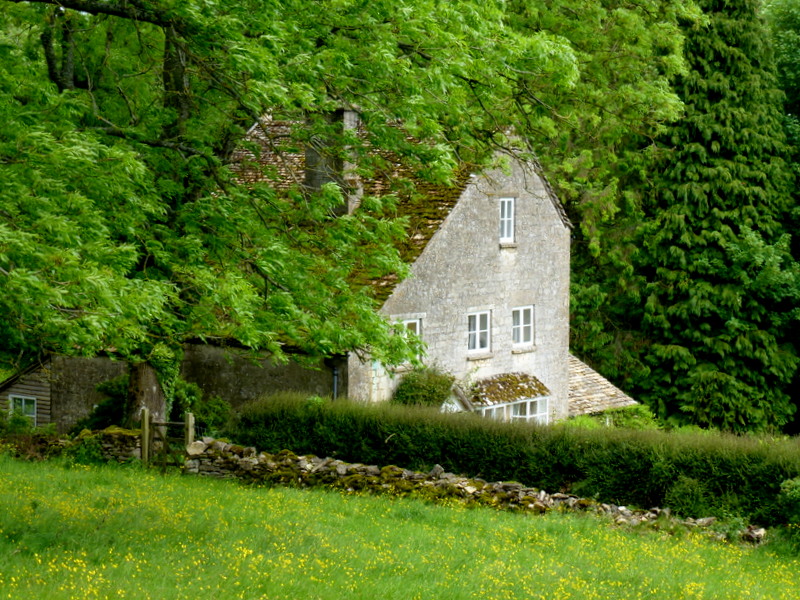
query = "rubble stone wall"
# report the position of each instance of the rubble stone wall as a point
(215, 458)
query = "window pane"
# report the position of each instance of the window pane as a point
(522, 325)
(478, 331)
(507, 219)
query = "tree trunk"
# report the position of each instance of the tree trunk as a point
(144, 391)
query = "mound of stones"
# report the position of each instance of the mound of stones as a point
(216, 458)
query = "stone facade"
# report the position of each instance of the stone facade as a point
(64, 388)
(238, 378)
(465, 268)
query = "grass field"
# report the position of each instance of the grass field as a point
(105, 532)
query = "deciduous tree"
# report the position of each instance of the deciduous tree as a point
(124, 227)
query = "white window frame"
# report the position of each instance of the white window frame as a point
(532, 410)
(522, 330)
(507, 220)
(414, 326)
(24, 400)
(479, 335)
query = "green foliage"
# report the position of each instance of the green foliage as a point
(720, 475)
(637, 416)
(581, 421)
(110, 410)
(426, 386)
(86, 450)
(711, 306)
(783, 17)
(15, 423)
(790, 500)
(688, 496)
(122, 223)
(596, 150)
(210, 413)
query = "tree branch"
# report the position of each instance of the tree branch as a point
(128, 135)
(123, 9)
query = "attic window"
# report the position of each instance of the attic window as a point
(506, 220)
(24, 405)
(413, 326)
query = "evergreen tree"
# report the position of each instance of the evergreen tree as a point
(719, 284)
(591, 138)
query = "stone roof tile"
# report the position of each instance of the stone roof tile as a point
(590, 392)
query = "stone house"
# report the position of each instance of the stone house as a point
(488, 294)
(488, 291)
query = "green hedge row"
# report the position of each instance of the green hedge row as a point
(694, 474)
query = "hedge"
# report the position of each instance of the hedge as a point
(695, 474)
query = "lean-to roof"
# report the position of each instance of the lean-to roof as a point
(505, 388)
(590, 392)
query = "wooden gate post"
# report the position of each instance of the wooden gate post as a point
(188, 429)
(146, 440)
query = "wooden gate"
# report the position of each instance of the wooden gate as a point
(159, 447)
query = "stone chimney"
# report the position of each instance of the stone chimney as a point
(324, 162)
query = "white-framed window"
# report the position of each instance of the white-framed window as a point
(478, 325)
(506, 220)
(531, 409)
(413, 326)
(24, 405)
(522, 326)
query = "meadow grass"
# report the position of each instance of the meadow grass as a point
(110, 532)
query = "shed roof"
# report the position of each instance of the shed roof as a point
(507, 387)
(17, 375)
(590, 392)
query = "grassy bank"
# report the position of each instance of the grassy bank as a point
(123, 533)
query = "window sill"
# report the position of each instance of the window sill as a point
(523, 350)
(508, 245)
(400, 369)
(480, 356)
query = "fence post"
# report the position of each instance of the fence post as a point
(145, 437)
(188, 430)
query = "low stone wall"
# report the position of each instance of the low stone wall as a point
(215, 458)
(115, 443)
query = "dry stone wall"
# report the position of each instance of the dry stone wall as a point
(215, 458)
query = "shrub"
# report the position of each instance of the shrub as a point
(15, 423)
(86, 451)
(789, 499)
(719, 475)
(211, 413)
(424, 386)
(637, 416)
(688, 497)
(110, 410)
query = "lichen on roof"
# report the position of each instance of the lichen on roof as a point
(507, 387)
(272, 156)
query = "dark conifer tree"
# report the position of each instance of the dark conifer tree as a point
(719, 284)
